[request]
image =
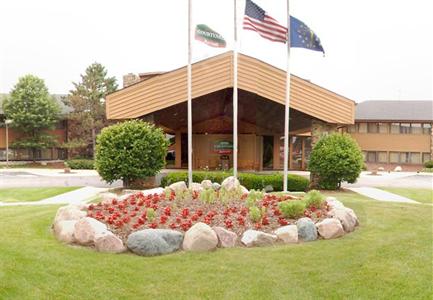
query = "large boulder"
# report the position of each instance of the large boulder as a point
(244, 190)
(252, 238)
(288, 234)
(230, 183)
(334, 203)
(106, 241)
(69, 212)
(216, 186)
(330, 228)
(178, 187)
(200, 237)
(196, 187)
(346, 216)
(398, 169)
(306, 229)
(64, 231)
(150, 242)
(226, 238)
(86, 229)
(206, 184)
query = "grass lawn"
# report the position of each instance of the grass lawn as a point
(31, 194)
(388, 257)
(420, 195)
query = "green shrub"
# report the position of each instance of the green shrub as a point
(292, 208)
(80, 164)
(208, 196)
(251, 181)
(255, 213)
(253, 197)
(314, 198)
(150, 214)
(129, 151)
(336, 158)
(428, 164)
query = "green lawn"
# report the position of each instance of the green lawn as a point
(420, 195)
(388, 257)
(31, 194)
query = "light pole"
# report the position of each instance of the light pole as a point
(7, 122)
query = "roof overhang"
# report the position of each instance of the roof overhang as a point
(216, 73)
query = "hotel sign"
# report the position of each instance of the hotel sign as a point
(223, 147)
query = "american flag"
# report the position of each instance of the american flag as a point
(256, 19)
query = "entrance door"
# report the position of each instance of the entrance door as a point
(184, 150)
(268, 152)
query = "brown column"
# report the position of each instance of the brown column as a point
(276, 158)
(178, 150)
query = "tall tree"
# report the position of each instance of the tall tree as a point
(33, 111)
(87, 101)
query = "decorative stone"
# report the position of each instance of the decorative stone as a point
(216, 186)
(206, 184)
(106, 241)
(64, 231)
(330, 228)
(86, 229)
(346, 216)
(196, 187)
(150, 242)
(381, 169)
(244, 190)
(230, 183)
(179, 186)
(226, 238)
(306, 229)
(69, 212)
(200, 237)
(334, 203)
(107, 198)
(252, 238)
(398, 169)
(288, 234)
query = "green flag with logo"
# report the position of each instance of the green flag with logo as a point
(208, 36)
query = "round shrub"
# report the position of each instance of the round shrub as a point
(292, 208)
(80, 164)
(336, 158)
(129, 151)
(314, 198)
(428, 164)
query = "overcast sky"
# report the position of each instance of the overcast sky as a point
(375, 49)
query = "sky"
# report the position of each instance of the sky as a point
(375, 49)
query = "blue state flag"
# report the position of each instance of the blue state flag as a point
(301, 36)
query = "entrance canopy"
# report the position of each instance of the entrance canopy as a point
(213, 78)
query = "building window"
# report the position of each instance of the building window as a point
(426, 157)
(362, 127)
(383, 127)
(394, 157)
(415, 158)
(372, 128)
(382, 157)
(395, 127)
(351, 129)
(426, 128)
(364, 155)
(371, 156)
(405, 128)
(416, 128)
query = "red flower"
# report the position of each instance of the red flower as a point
(199, 212)
(228, 223)
(153, 225)
(178, 219)
(91, 207)
(140, 221)
(133, 214)
(163, 219)
(185, 213)
(114, 201)
(277, 212)
(172, 226)
(265, 221)
(244, 211)
(167, 211)
(241, 220)
(258, 225)
(318, 213)
(136, 225)
(194, 217)
(282, 221)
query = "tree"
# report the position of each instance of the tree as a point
(336, 158)
(129, 151)
(87, 101)
(33, 111)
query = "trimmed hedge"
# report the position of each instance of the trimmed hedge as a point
(428, 164)
(81, 164)
(295, 183)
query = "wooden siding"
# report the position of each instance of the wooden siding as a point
(215, 74)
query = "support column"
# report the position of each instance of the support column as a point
(276, 157)
(431, 142)
(178, 150)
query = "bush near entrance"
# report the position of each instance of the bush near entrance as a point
(251, 181)
(428, 164)
(129, 151)
(81, 164)
(336, 158)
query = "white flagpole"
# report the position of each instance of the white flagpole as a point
(235, 96)
(189, 92)
(287, 104)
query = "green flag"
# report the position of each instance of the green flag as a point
(208, 36)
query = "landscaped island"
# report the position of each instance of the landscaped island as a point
(202, 218)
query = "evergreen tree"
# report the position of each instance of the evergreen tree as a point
(33, 111)
(87, 101)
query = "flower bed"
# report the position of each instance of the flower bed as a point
(201, 218)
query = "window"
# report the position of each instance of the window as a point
(351, 129)
(426, 157)
(404, 157)
(395, 127)
(405, 128)
(416, 128)
(372, 128)
(415, 158)
(382, 157)
(362, 127)
(364, 155)
(426, 128)
(383, 127)
(371, 156)
(394, 157)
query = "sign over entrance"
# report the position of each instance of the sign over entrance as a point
(223, 147)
